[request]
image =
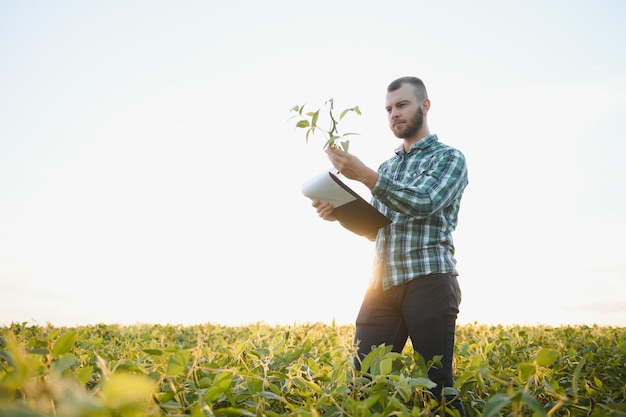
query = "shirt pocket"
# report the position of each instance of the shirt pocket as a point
(415, 174)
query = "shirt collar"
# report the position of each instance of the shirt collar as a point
(423, 143)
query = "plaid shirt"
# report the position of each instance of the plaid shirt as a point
(420, 191)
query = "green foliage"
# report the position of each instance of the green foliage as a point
(542, 371)
(310, 122)
(305, 370)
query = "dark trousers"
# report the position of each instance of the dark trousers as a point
(423, 309)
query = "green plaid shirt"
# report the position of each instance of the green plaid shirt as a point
(420, 191)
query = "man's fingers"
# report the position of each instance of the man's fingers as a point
(324, 208)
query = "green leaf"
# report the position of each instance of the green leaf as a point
(272, 396)
(534, 405)
(545, 357)
(597, 381)
(156, 352)
(422, 382)
(353, 109)
(83, 374)
(369, 402)
(311, 131)
(476, 363)
(177, 363)
(314, 118)
(526, 370)
(122, 389)
(199, 411)
(220, 386)
(297, 109)
(404, 389)
(255, 384)
(385, 366)
(621, 345)
(303, 124)
(345, 145)
(232, 411)
(64, 343)
(495, 404)
(576, 376)
(331, 141)
(64, 362)
(39, 351)
(310, 385)
(465, 377)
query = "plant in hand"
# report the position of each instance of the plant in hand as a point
(310, 122)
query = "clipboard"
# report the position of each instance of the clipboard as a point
(350, 209)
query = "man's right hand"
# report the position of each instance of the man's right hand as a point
(324, 210)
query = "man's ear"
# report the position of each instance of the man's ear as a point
(426, 105)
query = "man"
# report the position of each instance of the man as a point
(414, 291)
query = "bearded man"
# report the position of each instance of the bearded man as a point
(413, 291)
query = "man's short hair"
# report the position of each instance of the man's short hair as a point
(420, 88)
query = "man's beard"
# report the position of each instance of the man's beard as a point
(413, 125)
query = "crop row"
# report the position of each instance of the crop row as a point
(262, 370)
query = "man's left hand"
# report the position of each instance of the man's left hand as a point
(352, 167)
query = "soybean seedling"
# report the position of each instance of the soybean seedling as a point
(309, 121)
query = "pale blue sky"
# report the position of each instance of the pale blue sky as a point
(147, 172)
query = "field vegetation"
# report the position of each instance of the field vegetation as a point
(262, 370)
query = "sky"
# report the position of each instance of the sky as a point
(149, 172)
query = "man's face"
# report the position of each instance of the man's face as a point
(404, 112)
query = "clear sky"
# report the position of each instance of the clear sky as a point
(148, 173)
